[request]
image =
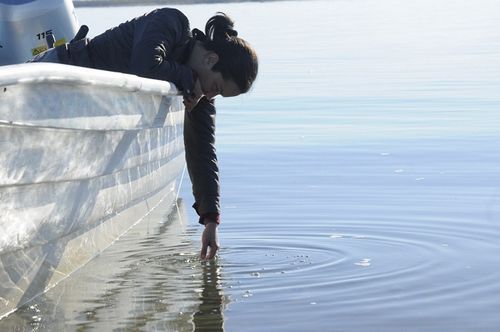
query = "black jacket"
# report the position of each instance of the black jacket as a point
(201, 159)
(157, 45)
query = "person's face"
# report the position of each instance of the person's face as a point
(212, 83)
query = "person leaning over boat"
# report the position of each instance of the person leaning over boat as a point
(160, 45)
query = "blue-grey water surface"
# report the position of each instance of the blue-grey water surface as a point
(360, 184)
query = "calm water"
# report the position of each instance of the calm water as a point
(361, 184)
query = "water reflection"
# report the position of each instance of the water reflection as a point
(149, 280)
(210, 311)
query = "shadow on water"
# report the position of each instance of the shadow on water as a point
(150, 279)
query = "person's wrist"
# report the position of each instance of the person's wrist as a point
(210, 218)
(211, 225)
(208, 221)
(189, 86)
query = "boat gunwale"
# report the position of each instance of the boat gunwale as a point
(54, 73)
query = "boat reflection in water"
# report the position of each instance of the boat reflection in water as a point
(150, 280)
(85, 154)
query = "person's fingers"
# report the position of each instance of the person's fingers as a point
(190, 102)
(188, 105)
(203, 254)
(204, 249)
(213, 251)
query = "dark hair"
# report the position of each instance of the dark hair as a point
(237, 59)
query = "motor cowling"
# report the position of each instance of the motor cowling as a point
(25, 26)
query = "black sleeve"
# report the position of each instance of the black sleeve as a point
(201, 157)
(156, 35)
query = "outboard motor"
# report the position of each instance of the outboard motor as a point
(27, 27)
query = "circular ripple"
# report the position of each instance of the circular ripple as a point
(386, 264)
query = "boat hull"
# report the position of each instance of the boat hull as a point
(80, 164)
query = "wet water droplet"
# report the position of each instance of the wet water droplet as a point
(365, 262)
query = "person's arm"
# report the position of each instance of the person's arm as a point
(157, 37)
(201, 160)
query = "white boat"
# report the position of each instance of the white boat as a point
(85, 154)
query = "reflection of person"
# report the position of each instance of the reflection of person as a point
(209, 316)
(160, 45)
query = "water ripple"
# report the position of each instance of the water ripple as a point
(358, 266)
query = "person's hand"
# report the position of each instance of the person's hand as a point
(209, 239)
(192, 100)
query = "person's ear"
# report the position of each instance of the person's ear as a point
(211, 59)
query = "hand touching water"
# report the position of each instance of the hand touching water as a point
(192, 100)
(209, 238)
